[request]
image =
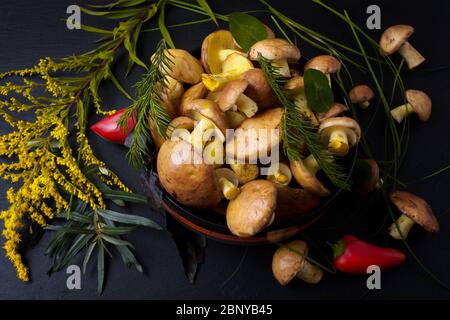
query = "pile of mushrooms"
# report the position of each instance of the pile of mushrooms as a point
(226, 89)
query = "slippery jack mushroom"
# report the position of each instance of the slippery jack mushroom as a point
(245, 172)
(304, 172)
(258, 89)
(197, 91)
(290, 261)
(296, 87)
(232, 98)
(279, 51)
(228, 182)
(326, 64)
(293, 202)
(414, 210)
(281, 176)
(341, 134)
(184, 125)
(361, 95)
(395, 39)
(182, 66)
(253, 209)
(417, 102)
(335, 110)
(216, 47)
(366, 176)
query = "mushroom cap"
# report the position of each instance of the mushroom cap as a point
(211, 47)
(325, 63)
(295, 83)
(265, 122)
(368, 182)
(286, 263)
(230, 93)
(183, 66)
(199, 108)
(181, 122)
(275, 49)
(258, 89)
(394, 37)
(197, 91)
(416, 209)
(307, 180)
(361, 93)
(350, 126)
(253, 209)
(335, 110)
(420, 102)
(293, 202)
(190, 184)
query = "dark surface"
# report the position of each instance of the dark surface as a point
(33, 29)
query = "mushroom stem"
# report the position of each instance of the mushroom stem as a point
(405, 224)
(246, 105)
(282, 67)
(364, 105)
(245, 172)
(203, 125)
(282, 175)
(379, 184)
(223, 54)
(311, 164)
(213, 153)
(229, 190)
(338, 142)
(310, 273)
(401, 112)
(412, 57)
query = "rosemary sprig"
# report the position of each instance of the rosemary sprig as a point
(148, 107)
(296, 131)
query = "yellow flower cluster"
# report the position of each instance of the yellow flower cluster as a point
(41, 159)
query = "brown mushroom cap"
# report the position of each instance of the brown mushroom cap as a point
(183, 66)
(416, 209)
(293, 202)
(394, 37)
(190, 184)
(258, 89)
(197, 91)
(361, 93)
(296, 83)
(199, 108)
(212, 45)
(180, 123)
(335, 110)
(287, 263)
(350, 126)
(230, 93)
(324, 63)
(420, 102)
(275, 49)
(253, 209)
(307, 179)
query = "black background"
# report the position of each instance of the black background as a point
(34, 29)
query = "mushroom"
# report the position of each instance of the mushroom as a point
(281, 176)
(228, 182)
(293, 202)
(414, 210)
(182, 66)
(418, 102)
(258, 89)
(279, 51)
(335, 110)
(197, 91)
(184, 125)
(395, 39)
(216, 47)
(253, 209)
(290, 261)
(366, 176)
(341, 134)
(232, 68)
(234, 118)
(361, 95)
(194, 185)
(232, 97)
(209, 117)
(304, 172)
(326, 64)
(296, 87)
(245, 172)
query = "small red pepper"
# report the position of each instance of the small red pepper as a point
(352, 255)
(108, 128)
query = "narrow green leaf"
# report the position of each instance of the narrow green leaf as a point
(246, 29)
(124, 196)
(120, 14)
(76, 247)
(128, 219)
(88, 255)
(100, 268)
(73, 230)
(132, 53)
(116, 241)
(162, 25)
(114, 231)
(318, 91)
(75, 216)
(204, 4)
(128, 258)
(117, 4)
(96, 30)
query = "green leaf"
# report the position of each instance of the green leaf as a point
(132, 52)
(128, 219)
(246, 29)
(128, 258)
(78, 217)
(318, 91)
(120, 3)
(162, 25)
(88, 255)
(100, 268)
(96, 30)
(116, 241)
(120, 14)
(118, 85)
(124, 196)
(74, 230)
(204, 4)
(114, 231)
(76, 247)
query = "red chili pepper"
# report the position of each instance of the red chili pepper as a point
(352, 255)
(108, 128)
